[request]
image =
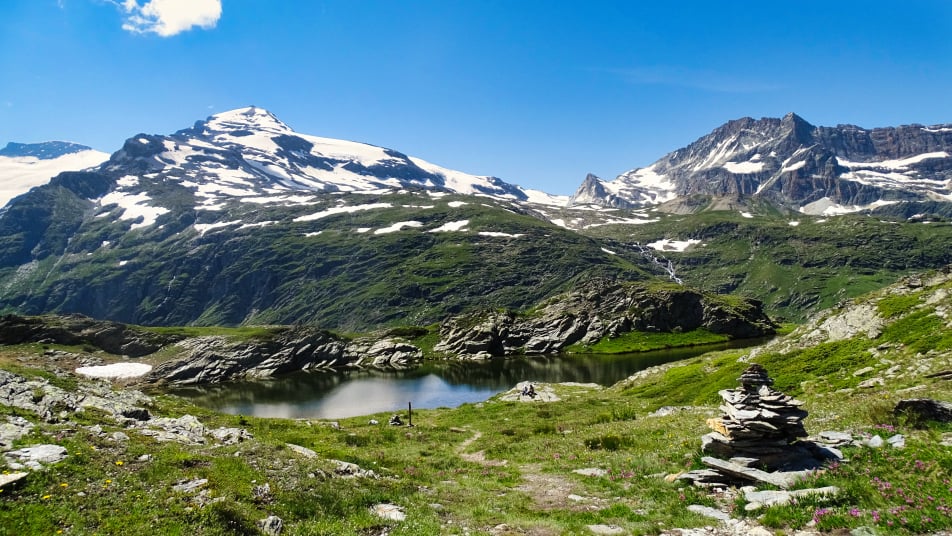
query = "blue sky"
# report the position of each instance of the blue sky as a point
(538, 93)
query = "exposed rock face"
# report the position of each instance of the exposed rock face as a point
(598, 309)
(382, 353)
(52, 404)
(793, 164)
(215, 359)
(113, 337)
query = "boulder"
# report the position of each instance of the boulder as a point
(920, 410)
(13, 429)
(35, 457)
(271, 525)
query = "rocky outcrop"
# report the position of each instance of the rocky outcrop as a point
(382, 353)
(216, 359)
(598, 309)
(53, 404)
(112, 337)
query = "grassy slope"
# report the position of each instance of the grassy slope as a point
(335, 272)
(471, 469)
(795, 270)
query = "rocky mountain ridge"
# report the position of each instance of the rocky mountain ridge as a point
(792, 164)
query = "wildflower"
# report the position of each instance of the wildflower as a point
(108, 481)
(119, 463)
(855, 512)
(46, 497)
(64, 485)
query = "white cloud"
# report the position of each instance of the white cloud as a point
(169, 17)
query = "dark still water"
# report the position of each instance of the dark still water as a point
(326, 395)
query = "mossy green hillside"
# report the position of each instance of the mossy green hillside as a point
(796, 264)
(471, 469)
(350, 271)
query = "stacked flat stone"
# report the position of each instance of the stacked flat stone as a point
(759, 430)
(758, 421)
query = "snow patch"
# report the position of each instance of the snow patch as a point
(397, 226)
(259, 224)
(747, 214)
(451, 226)
(826, 207)
(897, 165)
(792, 167)
(673, 245)
(115, 371)
(134, 206)
(744, 168)
(342, 210)
(499, 235)
(457, 204)
(793, 223)
(203, 228)
(610, 252)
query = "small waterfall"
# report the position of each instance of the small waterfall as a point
(664, 263)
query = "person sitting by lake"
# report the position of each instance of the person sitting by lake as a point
(395, 420)
(528, 390)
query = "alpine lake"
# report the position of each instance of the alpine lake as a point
(434, 384)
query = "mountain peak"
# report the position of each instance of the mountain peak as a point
(247, 118)
(794, 119)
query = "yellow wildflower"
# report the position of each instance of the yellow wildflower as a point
(119, 462)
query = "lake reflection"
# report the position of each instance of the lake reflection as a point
(326, 395)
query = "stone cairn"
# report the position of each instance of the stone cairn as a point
(756, 438)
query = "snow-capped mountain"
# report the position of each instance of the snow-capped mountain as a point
(789, 162)
(25, 165)
(241, 219)
(249, 154)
